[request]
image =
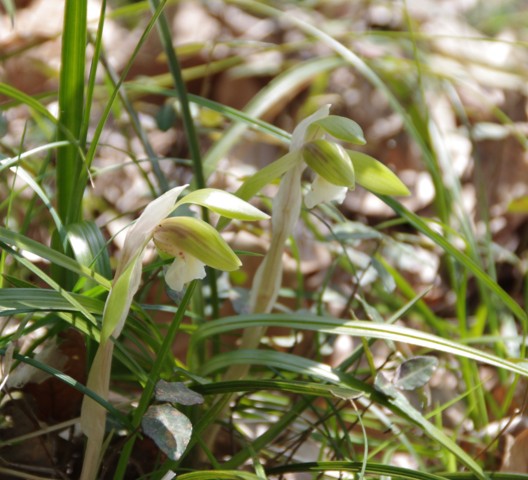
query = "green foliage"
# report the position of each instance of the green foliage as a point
(253, 350)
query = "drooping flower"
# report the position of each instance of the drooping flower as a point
(128, 274)
(193, 244)
(333, 167)
(337, 169)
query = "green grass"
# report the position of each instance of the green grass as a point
(294, 408)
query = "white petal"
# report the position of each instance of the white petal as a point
(140, 233)
(183, 270)
(299, 134)
(324, 191)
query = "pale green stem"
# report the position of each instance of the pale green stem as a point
(94, 427)
(268, 279)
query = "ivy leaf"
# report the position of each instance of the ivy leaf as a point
(170, 429)
(415, 372)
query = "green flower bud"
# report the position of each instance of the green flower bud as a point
(330, 161)
(197, 238)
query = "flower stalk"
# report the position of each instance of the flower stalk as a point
(336, 171)
(194, 244)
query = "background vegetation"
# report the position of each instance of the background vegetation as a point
(397, 345)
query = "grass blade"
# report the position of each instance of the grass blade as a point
(71, 106)
(356, 329)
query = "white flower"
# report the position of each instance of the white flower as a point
(141, 232)
(301, 134)
(193, 243)
(183, 270)
(128, 273)
(323, 191)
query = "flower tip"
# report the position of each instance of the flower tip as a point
(184, 269)
(323, 191)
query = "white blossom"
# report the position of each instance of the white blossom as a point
(322, 190)
(184, 269)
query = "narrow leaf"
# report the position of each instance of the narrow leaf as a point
(354, 328)
(89, 247)
(28, 245)
(260, 179)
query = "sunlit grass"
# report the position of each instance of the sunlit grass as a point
(297, 409)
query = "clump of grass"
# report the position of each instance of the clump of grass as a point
(241, 401)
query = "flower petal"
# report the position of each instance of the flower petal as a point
(224, 203)
(183, 270)
(299, 136)
(330, 161)
(324, 191)
(198, 238)
(139, 234)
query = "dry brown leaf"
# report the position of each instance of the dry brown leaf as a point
(515, 458)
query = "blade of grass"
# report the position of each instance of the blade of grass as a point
(69, 381)
(153, 378)
(14, 301)
(117, 90)
(370, 468)
(226, 111)
(192, 138)
(309, 368)
(421, 225)
(179, 84)
(356, 329)
(24, 175)
(219, 475)
(9, 162)
(71, 107)
(278, 89)
(51, 282)
(24, 243)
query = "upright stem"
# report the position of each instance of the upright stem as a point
(71, 106)
(268, 279)
(95, 427)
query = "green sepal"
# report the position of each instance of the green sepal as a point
(342, 128)
(266, 175)
(330, 161)
(256, 182)
(197, 238)
(224, 203)
(376, 177)
(120, 299)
